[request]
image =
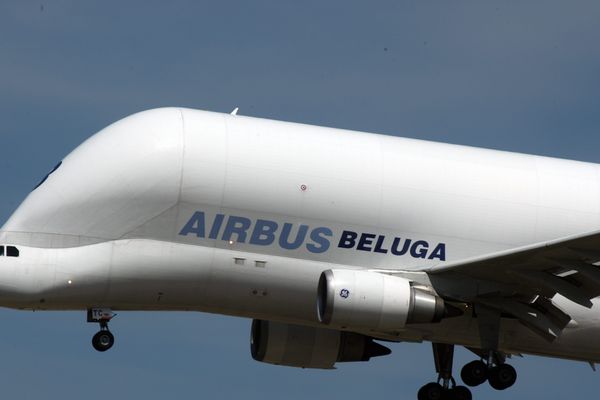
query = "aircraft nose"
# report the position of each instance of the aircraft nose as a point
(19, 277)
(8, 287)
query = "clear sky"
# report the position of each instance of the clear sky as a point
(515, 75)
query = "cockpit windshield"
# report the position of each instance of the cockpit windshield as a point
(9, 251)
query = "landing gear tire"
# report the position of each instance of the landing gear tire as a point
(435, 391)
(459, 393)
(474, 373)
(502, 376)
(431, 391)
(103, 340)
(445, 388)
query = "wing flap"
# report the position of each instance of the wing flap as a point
(529, 315)
(544, 282)
(522, 282)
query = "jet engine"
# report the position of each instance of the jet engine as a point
(307, 347)
(362, 300)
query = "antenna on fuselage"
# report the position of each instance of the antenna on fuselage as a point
(235, 111)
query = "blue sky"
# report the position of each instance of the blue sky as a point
(517, 75)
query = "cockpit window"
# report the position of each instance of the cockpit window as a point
(12, 251)
(49, 173)
(1, 251)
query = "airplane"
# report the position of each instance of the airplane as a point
(334, 242)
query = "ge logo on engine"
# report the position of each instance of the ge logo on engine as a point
(344, 293)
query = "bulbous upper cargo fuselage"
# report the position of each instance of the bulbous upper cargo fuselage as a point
(247, 184)
(114, 182)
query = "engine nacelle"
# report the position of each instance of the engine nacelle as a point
(362, 300)
(308, 347)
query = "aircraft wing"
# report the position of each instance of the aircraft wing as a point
(522, 281)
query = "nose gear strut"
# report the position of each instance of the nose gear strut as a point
(103, 339)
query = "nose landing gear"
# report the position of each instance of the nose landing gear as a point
(103, 339)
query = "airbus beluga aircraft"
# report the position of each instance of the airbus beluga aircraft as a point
(331, 240)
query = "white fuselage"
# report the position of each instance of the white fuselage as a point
(176, 209)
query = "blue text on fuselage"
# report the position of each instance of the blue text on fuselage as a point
(289, 236)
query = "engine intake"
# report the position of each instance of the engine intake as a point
(308, 347)
(359, 300)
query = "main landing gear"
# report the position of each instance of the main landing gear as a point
(499, 375)
(494, 370)
(445, 388)
(103, 339)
